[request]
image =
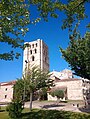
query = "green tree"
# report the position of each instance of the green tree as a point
(15, 109)
(14, 17)
(42, 93)
(77, 55)
(16, 106)
(58, 93)
(18, 90)
(43, 83)
(35, 80)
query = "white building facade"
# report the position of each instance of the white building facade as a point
(36, 54)
(6, 91)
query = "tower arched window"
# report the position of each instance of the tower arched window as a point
(33, 58)
(36, 44)
(30, 51)
(33, 45)
(35, 51)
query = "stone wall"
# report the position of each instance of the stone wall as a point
(74, 89)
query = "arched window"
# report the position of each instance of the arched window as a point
(30, 51)
(33, 58)
(33, 45)
(35, 51)
(36, 44)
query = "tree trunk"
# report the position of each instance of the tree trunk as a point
(58, 100)
(31, 100)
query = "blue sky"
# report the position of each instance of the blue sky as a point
(52, 34)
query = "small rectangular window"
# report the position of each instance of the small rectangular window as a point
(30, 51)
(33, 58)
(5, 96)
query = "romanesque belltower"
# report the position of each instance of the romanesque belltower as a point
(36, 54)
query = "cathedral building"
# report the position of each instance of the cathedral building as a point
(36, 54)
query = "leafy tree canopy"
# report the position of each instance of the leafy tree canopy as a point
(36, 79)
(33, 80)
(18, 90)
(15, 16)
(77, 55)
(73, 9)
(57, 93)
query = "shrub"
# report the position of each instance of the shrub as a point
(57, 93)
(54, 114)
(15, 109)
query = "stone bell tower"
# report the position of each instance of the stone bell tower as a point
(36, 54)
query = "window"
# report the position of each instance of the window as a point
(33, 45)
(30, 51)
(36, 44)
(35, 51)
(5, 96)
(33, 58)
(5, 89)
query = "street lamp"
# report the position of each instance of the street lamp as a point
(24, 80)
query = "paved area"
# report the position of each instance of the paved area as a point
(53, 105)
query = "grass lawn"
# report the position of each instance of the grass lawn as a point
(3, 113)
(46, 114)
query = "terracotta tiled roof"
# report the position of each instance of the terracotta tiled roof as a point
(8, 83)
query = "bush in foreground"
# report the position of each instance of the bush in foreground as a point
(54, 114)
(47, 114)
(15, 109)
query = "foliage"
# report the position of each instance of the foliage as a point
(35, 80)
(73, 9)
(18, 90)
(57, 93)
(43, 80)
(48, 114)
(15, 16)
(77, 55)
(54, 114)
(42, 94)
(15, 109)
